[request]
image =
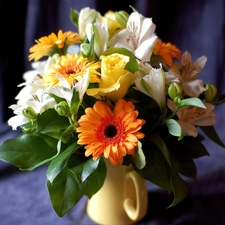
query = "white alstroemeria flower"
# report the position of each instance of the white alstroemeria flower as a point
(33, 83)
(101, 36)
(191, 116)
(151, 82)
(186, 73)
(65, 91)
(87, 16)
(19, 119)
(33, 76)
(138, 37)
(30, 96)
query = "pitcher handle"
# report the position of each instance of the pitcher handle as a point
(136, 207)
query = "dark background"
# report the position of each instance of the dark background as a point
(196, 26)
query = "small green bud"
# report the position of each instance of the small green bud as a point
(210, 92)
(122, 17)
(177, 100)
(62, 108)
(175, 90)
(29, 113)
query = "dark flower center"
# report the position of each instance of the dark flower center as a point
(110, 131)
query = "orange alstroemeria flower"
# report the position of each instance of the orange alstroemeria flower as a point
(167, 51)
(112, 134)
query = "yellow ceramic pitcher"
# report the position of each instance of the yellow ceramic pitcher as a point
(122, 200)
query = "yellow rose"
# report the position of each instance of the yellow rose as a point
(115, 80)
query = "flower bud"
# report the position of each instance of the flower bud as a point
(175, 90)
(210, 92)
(62, 108)
(122, 17)
(29, 113)
(177, 100)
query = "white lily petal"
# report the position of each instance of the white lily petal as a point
(139, 33)
(17, 121)
(153, 85)
(144, 51)
(62, 92)
(63, 81)
(82, 85)
(101, 36)
(87, 16)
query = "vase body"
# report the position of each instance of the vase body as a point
(122, 200)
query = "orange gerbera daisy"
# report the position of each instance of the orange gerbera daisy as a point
(112, 134)
(71, 67)
(167, 51)
(45, 44)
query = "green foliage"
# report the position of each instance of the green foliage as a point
(49, 120)
(173, 128)
(212, 134)
(28, 152)
(74, 15)
(156, 170)
(139, 158)
(66, 189)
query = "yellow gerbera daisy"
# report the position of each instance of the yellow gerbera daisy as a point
(45, 44)
(112, 134)
(71, 67)
(167, 51)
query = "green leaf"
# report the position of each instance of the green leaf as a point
(60, 162)
(96, 179)
(28, 152)
(49, 122)
(188, 148)
(192, 102)
(82, 166)
(179, 188)
(64, 136)
(211, 133)
(178, 185)
(139, 158)
(188, 169)
(132, 65)
(173, 128)
(158, 141)
(74, 15)
(157, 169)
(64, 191)
(75, 101)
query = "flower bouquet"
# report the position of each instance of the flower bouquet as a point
(112, 91)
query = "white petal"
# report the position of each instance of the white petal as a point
(17, 121)
(144, 51)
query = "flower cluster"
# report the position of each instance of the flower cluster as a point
(113, 91)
